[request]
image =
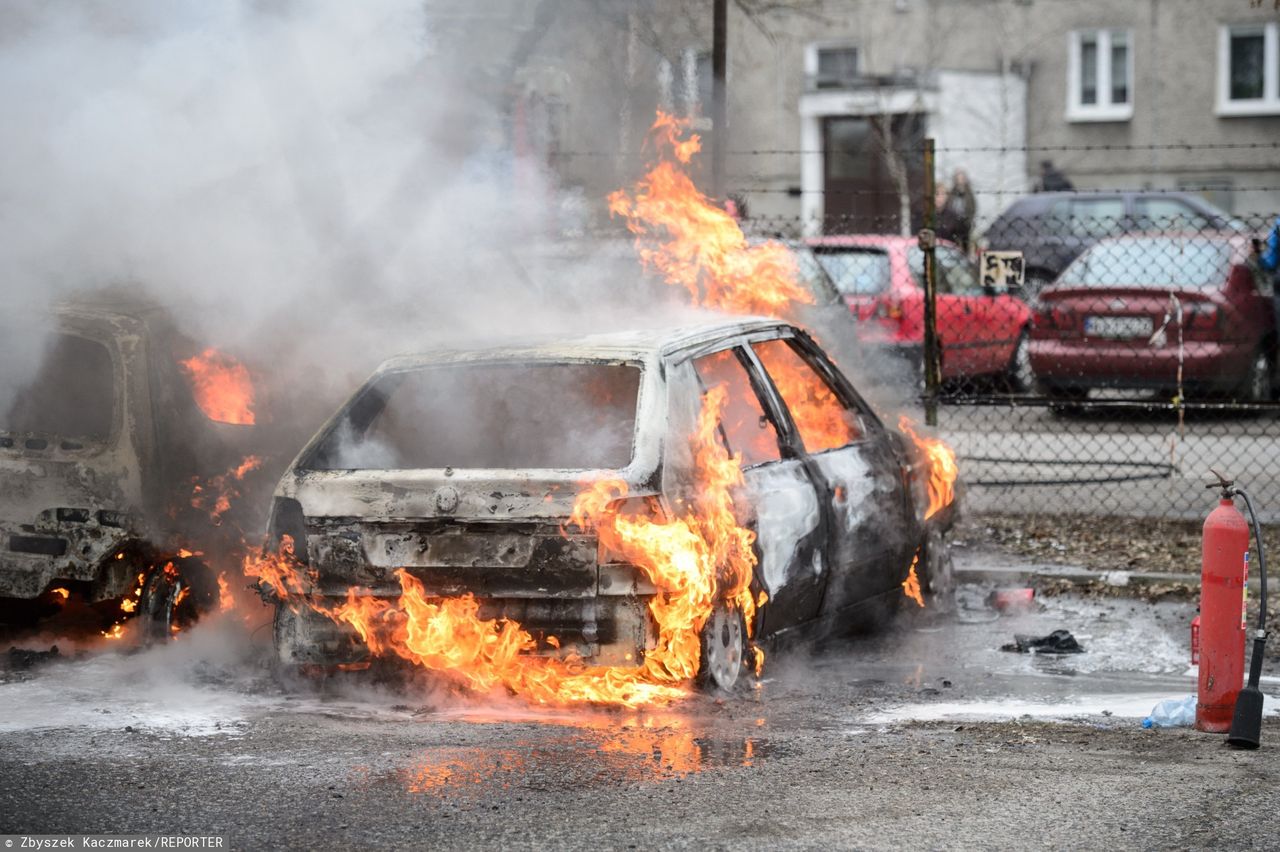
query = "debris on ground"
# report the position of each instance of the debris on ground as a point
(1011, 600)
(1172, 713)
(1102, 588)
(1099, 543)
(1057, 642)
(25, 658)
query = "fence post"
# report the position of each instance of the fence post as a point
(927, 243)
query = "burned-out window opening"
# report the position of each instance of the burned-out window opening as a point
(821, 418)
(72, 395)
(744, 425)
(576, 416)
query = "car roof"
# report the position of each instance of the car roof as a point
(636, 344)
(1239, 243)
(885, 241)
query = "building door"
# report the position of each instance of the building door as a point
(860, 193)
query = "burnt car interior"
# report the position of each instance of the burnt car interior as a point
(576, 416)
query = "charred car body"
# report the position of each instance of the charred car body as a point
(462, 467)
(98, 454)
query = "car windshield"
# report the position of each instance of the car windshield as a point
(577, 416)
(855, 271)
(71, 395)
(1152, 262)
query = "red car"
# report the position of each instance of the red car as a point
(880, 278)
(1159, 312)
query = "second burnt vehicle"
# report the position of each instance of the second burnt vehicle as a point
(100, 449)
(462, 468)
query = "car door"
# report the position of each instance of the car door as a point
(957, 324)
(780, 497)
(859, 478)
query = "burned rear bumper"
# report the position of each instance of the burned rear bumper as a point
(34, 557)
(604, 630)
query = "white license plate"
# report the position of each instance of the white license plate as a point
(1117, 326)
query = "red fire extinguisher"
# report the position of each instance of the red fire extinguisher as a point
(1223, 596)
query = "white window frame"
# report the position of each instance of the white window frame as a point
(813, 48)
(1269, 103)
(1104, 109)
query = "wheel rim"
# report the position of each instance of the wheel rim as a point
(723, 647)
(939, 572)
(1259, 379)
(1023, 375)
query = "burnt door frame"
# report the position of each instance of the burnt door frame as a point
(800, 599)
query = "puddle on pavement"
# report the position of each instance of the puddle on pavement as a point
(591, 748)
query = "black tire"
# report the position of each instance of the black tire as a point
(1259, 380)
(175, 596)
(724, 650)
(1035, 281)
(1018, 375)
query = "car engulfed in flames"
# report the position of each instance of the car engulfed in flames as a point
(599, 520)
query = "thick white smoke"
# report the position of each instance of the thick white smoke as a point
(308, 182)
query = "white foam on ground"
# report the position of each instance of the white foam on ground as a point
(1132, 706)
(198, 686)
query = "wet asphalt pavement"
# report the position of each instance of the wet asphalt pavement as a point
(925, 737)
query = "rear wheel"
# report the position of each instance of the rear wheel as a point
(1258, 381)
(724, 649)
(1019, 375)
(937, 572)
(174, 598)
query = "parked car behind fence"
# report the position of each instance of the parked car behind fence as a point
(1051, 229)
(1184, 314)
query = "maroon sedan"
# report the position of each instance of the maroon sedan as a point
(1171, 312)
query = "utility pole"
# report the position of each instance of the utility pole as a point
(719, 95)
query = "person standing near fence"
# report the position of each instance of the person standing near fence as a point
(956, 211)
(1051, 179)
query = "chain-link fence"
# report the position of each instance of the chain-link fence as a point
(1139, 351)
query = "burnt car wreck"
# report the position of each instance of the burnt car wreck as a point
(461, 469)
(98, 459)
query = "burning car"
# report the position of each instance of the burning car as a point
(559, 494)
(106, 453)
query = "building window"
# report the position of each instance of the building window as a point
(1100, 76)
(1249, 69)
(831, 66)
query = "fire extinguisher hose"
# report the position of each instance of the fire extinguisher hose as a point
(1262, 572)
(1246, 722)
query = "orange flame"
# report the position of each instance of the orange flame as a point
(280, 570)
(225, 600)
(911, 585)
(215, 496)
(221, 387)
(695, 562)
(696, 245)
(942, 467)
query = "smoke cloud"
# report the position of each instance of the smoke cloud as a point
(309, 183)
